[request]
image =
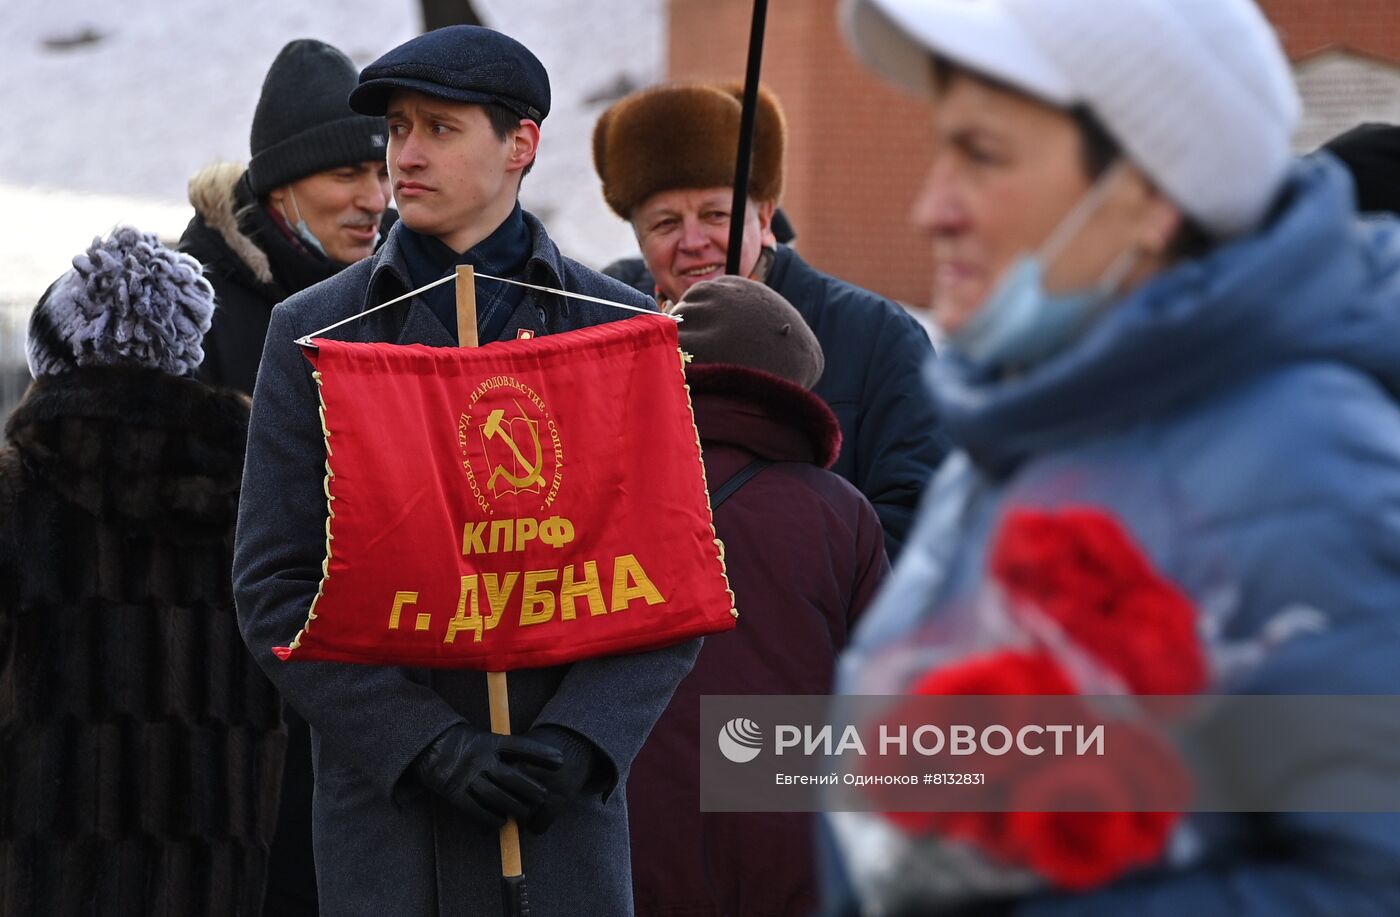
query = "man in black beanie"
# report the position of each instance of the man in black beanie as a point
(310, 202)
(411, 783)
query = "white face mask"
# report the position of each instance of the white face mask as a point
(1020, 323)
(303, 231)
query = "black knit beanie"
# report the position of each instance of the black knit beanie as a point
(303, 123)
(1372, 153)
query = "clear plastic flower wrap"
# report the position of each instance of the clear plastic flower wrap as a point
(1069, 605)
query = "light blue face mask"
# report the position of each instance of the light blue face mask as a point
(303, 231)
(1022, 324)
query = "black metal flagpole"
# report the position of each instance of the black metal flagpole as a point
(746, 118)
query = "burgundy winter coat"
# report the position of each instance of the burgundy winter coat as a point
(805, 553)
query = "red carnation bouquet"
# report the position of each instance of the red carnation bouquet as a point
(1081, 570)
(1072, 607)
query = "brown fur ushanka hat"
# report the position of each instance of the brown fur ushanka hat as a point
(685, 136)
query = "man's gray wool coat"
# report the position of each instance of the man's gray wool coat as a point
(383, 845)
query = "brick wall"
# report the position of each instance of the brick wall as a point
(1368, 26)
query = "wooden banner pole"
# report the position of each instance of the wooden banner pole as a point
(466, 306)
(499, 699)
(512, 872)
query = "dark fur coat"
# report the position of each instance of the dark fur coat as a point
(140, 747)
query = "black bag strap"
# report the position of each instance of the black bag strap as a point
(739, 479)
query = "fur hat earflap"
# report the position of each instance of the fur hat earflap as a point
(685, 136)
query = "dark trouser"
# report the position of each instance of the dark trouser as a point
(291, 870)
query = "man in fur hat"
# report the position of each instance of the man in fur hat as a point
(310, 202)
(666, 158)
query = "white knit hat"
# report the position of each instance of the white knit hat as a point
(1197, 92)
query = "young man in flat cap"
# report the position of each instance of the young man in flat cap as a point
(411, 785)
(310, 202)
(666, 158)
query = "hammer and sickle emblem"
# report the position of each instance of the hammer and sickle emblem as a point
(495, 428)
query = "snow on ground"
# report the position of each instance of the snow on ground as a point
(112, 107)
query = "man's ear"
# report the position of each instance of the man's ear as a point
(525, 143)
(766, 209)
(277, 197)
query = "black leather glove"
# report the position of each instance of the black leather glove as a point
(566, 783)
(488, 777)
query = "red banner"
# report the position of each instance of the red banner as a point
(523, 504)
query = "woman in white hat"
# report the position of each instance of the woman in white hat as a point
(1157, 313)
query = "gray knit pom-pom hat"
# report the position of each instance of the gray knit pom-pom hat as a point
(128, 301)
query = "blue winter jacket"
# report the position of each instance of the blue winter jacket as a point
(875, 351)
(1238, 413)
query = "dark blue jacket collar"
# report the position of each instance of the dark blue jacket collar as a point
(389, 276)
